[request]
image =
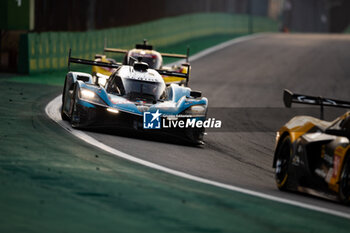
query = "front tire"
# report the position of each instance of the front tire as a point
(74, 110)
(64, 116)
(76, 119)
(344, 183)
(195, 136)
(283, 155)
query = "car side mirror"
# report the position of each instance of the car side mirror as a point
(196, 94)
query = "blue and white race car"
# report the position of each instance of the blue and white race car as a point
(133, 97)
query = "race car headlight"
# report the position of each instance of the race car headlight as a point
(90, 96)
(196, 110)
(87, 94)
(113, 110)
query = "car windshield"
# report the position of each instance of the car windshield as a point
(151, 59)
(142, 90)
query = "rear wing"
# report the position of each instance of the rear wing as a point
(147, 47)
(113, 65)
(113, 50)
(89, 62)
(290, 97)
(174, 55)
(178, 74)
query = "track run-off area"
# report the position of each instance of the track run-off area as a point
(246, 74)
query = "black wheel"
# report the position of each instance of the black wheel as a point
(195, 136)
(75, 114)
(344, 183)
(64, 116)
(284, 152)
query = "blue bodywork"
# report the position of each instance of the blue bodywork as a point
(180, 101)
(83, 112)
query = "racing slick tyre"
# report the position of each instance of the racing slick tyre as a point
(344, 183)
(75, 115)
(63, 115)
(283, 155)
(75, 118)
(80, 115)
(195, 136)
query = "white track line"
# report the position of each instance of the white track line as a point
(53, 111)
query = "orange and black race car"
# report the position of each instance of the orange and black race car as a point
(153, 58)
(313, 155)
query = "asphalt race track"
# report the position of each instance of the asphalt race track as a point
(247, 79)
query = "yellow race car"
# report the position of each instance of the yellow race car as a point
(313, 155)
(146, 53)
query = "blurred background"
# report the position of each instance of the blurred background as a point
(36, 34)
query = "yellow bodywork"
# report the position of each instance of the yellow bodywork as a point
(171, 79)
(300, 125)
(167, 79)
(102, 70)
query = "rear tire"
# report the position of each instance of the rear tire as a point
(283, 155)
(344, 183)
